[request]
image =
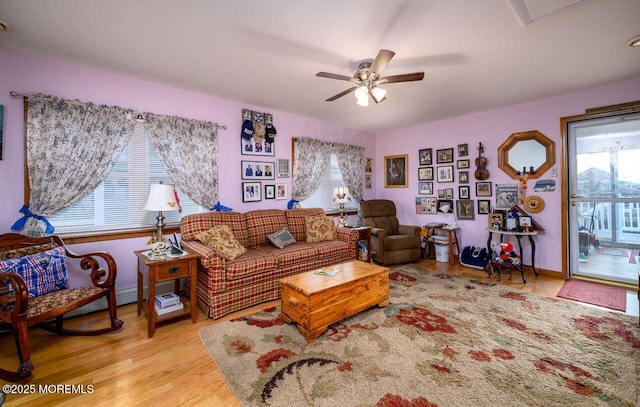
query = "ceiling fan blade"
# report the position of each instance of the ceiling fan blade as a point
(341, 94)
(381, 61)
(407, 77)
(336, 76)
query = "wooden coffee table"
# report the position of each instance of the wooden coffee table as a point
(313, 302)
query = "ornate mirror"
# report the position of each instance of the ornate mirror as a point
(530, 150)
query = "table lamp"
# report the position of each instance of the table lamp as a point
(162, 197)
(341, 196)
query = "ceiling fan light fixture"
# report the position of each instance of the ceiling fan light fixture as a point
(378, 94)
(362, 101)
(362, 96)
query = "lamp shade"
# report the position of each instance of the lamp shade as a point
(162, 197)
(446, 208)
(341, 195)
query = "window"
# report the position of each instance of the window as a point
(322, 197)
(117, 202)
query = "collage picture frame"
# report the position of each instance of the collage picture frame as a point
(258, 170)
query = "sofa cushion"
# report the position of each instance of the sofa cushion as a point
(221, 239)
(43, 272)
(191, 225)
(261, 223)
(281, 238)
(296, 221)
(294, 254)
(335, 251)
(251, 263)
(320, 229)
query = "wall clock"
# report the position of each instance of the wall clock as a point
(534, 204)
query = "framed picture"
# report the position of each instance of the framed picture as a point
(395, 171)
(506, 195)
(484, 206)
(269, 192)
(367, 182)
(425, 156)
(525, 223)
(463, 164)
(368, 165)
(463, 192)
(283, 168)
(251, 192)
(425, 188)
(463, 150)
(425, 174)
(463, 177)
(441, 194)
(426, 206)
(495, 221)
(510, 223)
(445, 205)
(445, 173)
(465, 209)
(257, 134)
(448, 193)
(281, 192)
(257, 170)
(444, 155)
(483, 188)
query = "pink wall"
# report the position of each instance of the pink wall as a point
(29, 73)
(492, 128)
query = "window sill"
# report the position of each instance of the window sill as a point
(101, 237)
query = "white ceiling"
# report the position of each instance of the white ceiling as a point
(476, 55)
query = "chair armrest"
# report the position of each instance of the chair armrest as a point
(409, 230)
(12, 303)
(99, 276)
(379, 233)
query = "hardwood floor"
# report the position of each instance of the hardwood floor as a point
(172, 369)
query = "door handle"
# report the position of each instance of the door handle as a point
(574, 196)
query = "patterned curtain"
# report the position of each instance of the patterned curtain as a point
(189, 150)
(350, 160)
(310, 162)
(71, 147)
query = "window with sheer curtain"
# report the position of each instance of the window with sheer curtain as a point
(116, 204)
(322, 197)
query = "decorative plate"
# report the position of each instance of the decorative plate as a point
(534, 204)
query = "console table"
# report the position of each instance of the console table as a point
(452, 238)
(518, 236)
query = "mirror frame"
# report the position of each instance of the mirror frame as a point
(547, 143)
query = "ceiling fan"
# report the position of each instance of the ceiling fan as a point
(367, 79)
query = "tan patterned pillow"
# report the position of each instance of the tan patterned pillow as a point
(320, 229)
(221, 239)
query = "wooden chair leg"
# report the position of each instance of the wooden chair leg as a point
(21, 338)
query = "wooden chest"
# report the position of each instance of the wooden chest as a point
(313, 301)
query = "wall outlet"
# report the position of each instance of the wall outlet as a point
(554, 172)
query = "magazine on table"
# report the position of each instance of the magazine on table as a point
(326, 271)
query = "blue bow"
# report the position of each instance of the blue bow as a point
(221, 208)
(291, 203)
(19, 225)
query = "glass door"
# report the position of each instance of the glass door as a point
(604, 197)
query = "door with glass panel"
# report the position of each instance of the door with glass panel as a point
(604, 197)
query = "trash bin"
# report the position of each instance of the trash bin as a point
(442, 253)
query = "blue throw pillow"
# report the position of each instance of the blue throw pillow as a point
(42, 272)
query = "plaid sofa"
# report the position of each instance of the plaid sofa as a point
(252, 278)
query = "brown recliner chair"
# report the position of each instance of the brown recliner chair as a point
(391, 243)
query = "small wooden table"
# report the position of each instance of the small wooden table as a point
(315, 301)
(452, 240)
(167, 269)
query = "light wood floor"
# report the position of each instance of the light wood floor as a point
(172, 369)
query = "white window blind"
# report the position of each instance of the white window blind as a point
(322, 197)
(116, 204)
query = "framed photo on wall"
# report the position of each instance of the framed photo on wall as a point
(463, 164)
(463, 177)
(484, 206)
(463, 150)
(395, 171)
(465, 209)
(257, 170)
(251, 192)
(463, 192)
(445, 173)
(425, 156)
(368, 165)
(269, 192)
(425, 174)
(367, 182)
(483, 188)
(425, 188)
(283, 168)
(257, 134)
(281, 192)
(444, 155)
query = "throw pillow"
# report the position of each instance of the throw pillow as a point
(281, 238)
(320, 229)
(43, 272)
(221, 239)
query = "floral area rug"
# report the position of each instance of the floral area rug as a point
(444, 340)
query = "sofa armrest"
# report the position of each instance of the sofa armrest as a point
(347, 234)
(209, 258)
(409, 230)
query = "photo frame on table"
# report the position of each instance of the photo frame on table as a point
(395, 171)
(461, 164)
(495, 221)
(483, 188)
(444, 155)
(484, 206)
(269, 192)
(463, 192)
(281, 192)
(283, 168)
(425, 188)
(425, 156)
(465, 209)
(445, 173)
(525, 222)
(510, 224)
(257, 170)
(368, 165)
(251, 192)
(463, 150)
(463, 177)
(425, 173)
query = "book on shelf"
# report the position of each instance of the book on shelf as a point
(166, 300)
(326, 271)
(168, 309)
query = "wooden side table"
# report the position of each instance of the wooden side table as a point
(364, 234)
(452, 239)
(167, 269)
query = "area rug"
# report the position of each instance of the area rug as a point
(444, 340)
(593, 293)
(613, 251)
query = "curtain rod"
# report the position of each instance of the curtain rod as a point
(23, 95)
